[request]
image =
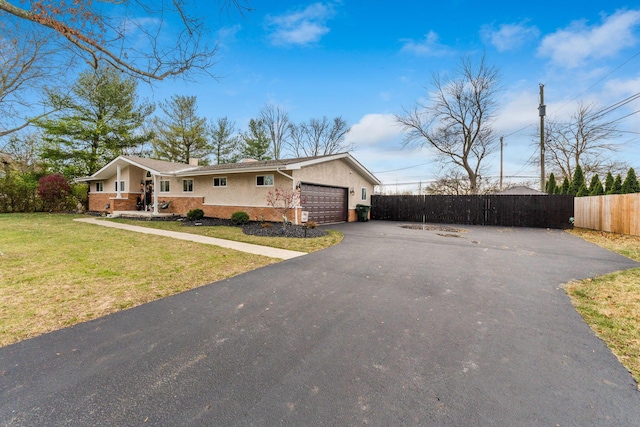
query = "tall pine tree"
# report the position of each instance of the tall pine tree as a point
(565, 186)
(181, 134)
(550, 187)
(577, 181)
(616, 188)
(608, 183)
(595, 187)
(257, 144)
(224, 145)
(98, 120)
(630, 184)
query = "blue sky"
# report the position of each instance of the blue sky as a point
(366, 60)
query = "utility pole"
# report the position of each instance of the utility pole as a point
(542, 112)
(501, 141)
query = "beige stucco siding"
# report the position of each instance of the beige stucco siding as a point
(339, 174)
(241, 189)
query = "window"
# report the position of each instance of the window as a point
(264, 180)
(187, 185)
(99, 187)
(364, 193)
(220, 182)
(121, 186)
(164, 186)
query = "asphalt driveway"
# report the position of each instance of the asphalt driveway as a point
(392, 327)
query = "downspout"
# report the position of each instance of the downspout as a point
(293, 188)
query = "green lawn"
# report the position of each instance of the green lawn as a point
(56, 272)
(235, 233)
(610, 304)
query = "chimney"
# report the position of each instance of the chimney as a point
(193, 161)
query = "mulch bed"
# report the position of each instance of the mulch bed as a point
(274, 229)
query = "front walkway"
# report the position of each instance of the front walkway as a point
(229, 244)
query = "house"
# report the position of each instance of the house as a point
(521, 190)
(330, 187)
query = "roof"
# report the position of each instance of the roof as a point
(163, 168)
(520, 190)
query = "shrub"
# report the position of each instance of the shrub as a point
(239, 218)
(54, 191)
(312, 224)
(195, 214)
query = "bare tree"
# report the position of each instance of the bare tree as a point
(319, 137)
(455, 183)
(25, 63)
(133, 36)
(276, 120)
(457, 121)
(584, 140)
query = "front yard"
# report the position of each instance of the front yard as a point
(55, 272)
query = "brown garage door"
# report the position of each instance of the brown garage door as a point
(324, 204)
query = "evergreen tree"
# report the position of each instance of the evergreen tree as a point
(608, 183)
(577, 181)
(550, 188)
(565, 186)
(582, 191)
(98, 120)
(595, 188)
(630, 184)
(257, 144)
(181, 135)
(617, 186)
(224, 144)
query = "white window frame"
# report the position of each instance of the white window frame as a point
(220, 178)
(100, 187)
(162, 189)
(264, 179)
(122, 186)
(184, 182)
(363, 193)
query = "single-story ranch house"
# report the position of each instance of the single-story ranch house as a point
(330, 187)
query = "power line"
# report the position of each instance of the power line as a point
(401, 169)
(599, 81)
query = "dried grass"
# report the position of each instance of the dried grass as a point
(610, 304)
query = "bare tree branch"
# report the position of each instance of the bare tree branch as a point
(138, 37)
(457, 121)
(319, 137)
(583, 140)
(276, 120)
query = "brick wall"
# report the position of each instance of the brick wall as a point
(181, 205)
(255, 213)
(97, 201)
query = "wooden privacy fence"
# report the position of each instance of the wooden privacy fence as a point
(507, 210)
(617, 213)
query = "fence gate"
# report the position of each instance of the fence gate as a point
(541, 211)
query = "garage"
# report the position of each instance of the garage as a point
(325, 204)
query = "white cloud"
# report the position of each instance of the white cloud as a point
(428, 47)
(619, 88)
(375, 130)
(574, 45)
(509, 36)
(227, 35)
(519, 109)
(301, 27)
